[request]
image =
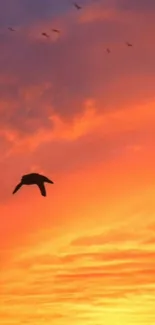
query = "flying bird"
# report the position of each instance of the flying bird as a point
(45, 35)
(11, 29)
(77, 6)
(128, 44)
(34, 179)
(56, 30)
(108, 51)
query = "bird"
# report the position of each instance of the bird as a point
(108, 50)
(11, 29)
(34, 179)
(128, 44)
(55, 30)
(77, 6)
(45, 34)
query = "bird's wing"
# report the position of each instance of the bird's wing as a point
(42, 189)
(44, 34)
(17, 187)
(45, 179)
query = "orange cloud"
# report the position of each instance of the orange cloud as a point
(84, 254)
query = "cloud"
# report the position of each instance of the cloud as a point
(99, 281)
(122, 272)
(44, 84)
(144, 5)
(23, 12)
(110, 238)
(87, 118)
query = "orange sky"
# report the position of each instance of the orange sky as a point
(85, 254)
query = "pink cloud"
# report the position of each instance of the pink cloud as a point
(104, 156)
(54, 85)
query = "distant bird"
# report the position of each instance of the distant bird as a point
(31, 179)
(11, 29)
(56, 30)
(108, 51)
(128, 44)
(77, 6)
(45, 35)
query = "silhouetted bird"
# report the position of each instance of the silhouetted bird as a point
(31, 179)
(128, 44)
(55, 30)
(108, 50)
(46, 35)
(11, 29)
(77, 6)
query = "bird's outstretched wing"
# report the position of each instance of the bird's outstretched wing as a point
(45, 179)
(76, 6)
(56, 30)
(42, 189)
(17, 188)
(11, 29)
(45, 35)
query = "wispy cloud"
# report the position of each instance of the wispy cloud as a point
(85, 255)
(79, 282)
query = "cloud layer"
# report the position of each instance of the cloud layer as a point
(85, 118)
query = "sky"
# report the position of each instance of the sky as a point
(85, 254)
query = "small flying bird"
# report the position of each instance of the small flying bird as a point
(77, 6)
(128, 44)
(34, 179)
(108, 50)
(11, 29)
(56, 30)
(45, 35)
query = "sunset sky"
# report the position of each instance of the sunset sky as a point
(85, 254)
